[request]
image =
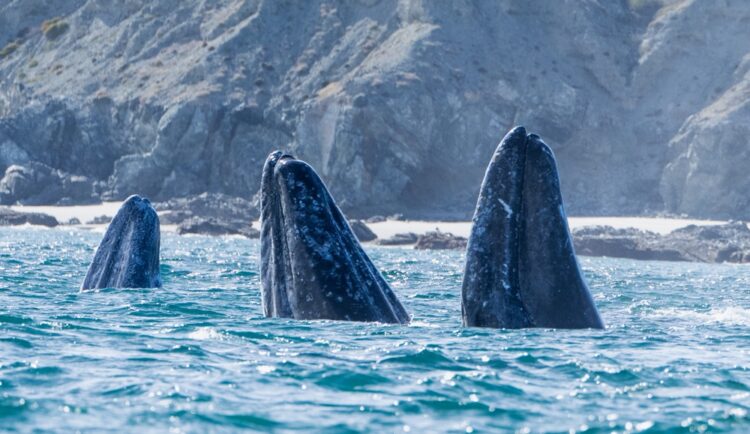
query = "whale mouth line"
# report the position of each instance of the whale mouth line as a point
(520, 224)
(312, 265)
(521, 270)
(128, 255)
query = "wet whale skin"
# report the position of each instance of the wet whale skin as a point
(128, 256)
(521, 269)
(312, 265)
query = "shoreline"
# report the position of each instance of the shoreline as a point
(384, 229)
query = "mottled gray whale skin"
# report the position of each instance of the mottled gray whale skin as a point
(521, 269)
(128, 256)
(312, 266)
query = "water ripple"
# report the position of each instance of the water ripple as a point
(198, 356)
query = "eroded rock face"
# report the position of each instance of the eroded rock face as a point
(398, 103)
(39, 184)
(707, 177)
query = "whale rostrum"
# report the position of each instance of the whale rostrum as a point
(312, 266)
(128, 256)
(521, 269)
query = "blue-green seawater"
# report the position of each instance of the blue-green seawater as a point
(198, 356)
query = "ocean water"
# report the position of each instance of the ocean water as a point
(198, 356)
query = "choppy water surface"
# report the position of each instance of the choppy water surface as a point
(198, 356)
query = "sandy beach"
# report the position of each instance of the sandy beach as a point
(388, 228)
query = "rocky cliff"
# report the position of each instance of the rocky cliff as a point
(397, 103)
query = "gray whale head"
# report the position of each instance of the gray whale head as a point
(521, 269)
(312, 265)
(128, 256)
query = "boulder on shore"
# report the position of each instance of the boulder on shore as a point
(207, 205)
(8, 217)
(362, 231)
(216, 227)
(399, 239)
(440, 241)
(100, 220)
(210, 214)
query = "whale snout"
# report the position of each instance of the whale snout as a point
(312, 266)
(128, 255)
(137, 202)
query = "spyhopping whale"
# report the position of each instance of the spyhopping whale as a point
(312, 266)
(521, 269)
(128, 256)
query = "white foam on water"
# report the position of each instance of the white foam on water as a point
(205, 334)
(423, 324)
(265, 369)
(730, 315)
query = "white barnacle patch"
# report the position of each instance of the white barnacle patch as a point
(506, 207)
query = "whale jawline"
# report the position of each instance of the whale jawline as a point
(312, 265)
(128, 255)
(521, 269)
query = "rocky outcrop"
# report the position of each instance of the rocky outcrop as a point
(399, 239)
(708, 157)
(210, 214)
(398, 104)
(723, 243)
(100, 220)
(215, 227)
(440, 241)
(707, 177)
(362, 231)
(207, 205)
(8, 217)
(38, 184)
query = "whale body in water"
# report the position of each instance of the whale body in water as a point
(128, 256)
(312, 265)
(521, 269)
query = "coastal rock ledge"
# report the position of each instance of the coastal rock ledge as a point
(8, 217)
(722, 243)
